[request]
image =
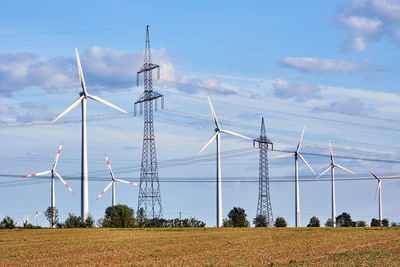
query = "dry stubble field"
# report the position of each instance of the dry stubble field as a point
(207, 246)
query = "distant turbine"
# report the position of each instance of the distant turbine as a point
(37, 213)
(53, 173)
(296, 155)
(332, 167)
(379, 189)
(217, 133)
(82, 99)
(113, 180)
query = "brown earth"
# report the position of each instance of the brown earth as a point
(206, 246)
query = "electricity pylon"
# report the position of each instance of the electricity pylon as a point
(149, 193)
(264, 207)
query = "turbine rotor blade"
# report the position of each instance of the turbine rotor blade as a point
(235, 134)
(322, 173)
(68, 109)
(126, 182)
(305, 162)
(62, 180)
(98, 99)
(105, 189)
(373, 174)
(213, 113)
(283, 156)
(57, 156)
(37, 174)
(330, 151)
(390, 177)
(82, 80)
(109, 167)
(343, 168)
(209, 141)
(301, 140)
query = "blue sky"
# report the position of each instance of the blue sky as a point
(330, 66)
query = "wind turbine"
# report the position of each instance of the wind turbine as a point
(297, 155)
(332, 168)
(82, 99)
(216, 135)
(53, 173)
(37, 213)
(113, 180)
(379, 189)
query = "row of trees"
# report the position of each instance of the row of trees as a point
(237, 218)
(121, 216)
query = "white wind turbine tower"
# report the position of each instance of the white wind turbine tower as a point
(216, 135)
(82, 99)
(113, 180)
(332, 168)
(53, 173)
(297, 155)
(379, 189)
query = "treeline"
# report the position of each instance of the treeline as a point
(119, 216)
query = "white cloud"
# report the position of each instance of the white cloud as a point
(319, 65)
(368, 21)
(6, 109)
(297, 90)
(388, 9)
(349, 105)
(362, 25)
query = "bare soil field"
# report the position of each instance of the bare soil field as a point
(205, 246)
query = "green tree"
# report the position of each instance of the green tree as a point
(329, 223)
(49, 215)
(361, 224)
(385, 222)
(314, 222)
(89, 222)
(260, 221)
(119, 216)
(375, 222)
(7, 223)
(280, 222)
(227, 223)
(344, 220)
(238, 217)
(141, 217)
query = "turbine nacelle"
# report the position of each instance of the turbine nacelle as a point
(84, 94)
(297, 153)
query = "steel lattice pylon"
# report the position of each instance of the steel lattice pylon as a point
(264, 207)
(149, 193)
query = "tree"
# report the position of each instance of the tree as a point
(329, 223)
(314, 222)
(280, 222)
(7, 223)
(119, 216)
(141, 217)
(89, 222)
(361, 224)
(375, 222)
(238, 217)
(385, 222)
(344, 220)
(394, 224)
(49, 215)
(227, 223)
(260, 221)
